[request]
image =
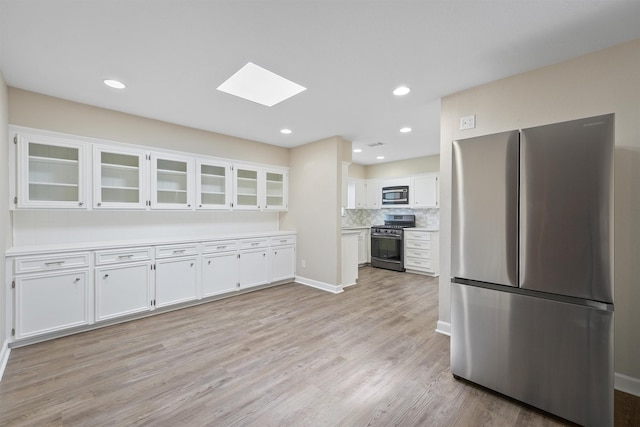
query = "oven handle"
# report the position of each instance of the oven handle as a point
(385, 236)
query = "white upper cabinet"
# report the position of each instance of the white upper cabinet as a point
(51, 173)
(213, 185)
(119, 178)
(260, 188)
(275, 189)
(356, 194)
(171, 182)
(55, 171)
(374, 194)
(424, 191)
(246, 187)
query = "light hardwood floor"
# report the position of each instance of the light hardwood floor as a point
(284, 356)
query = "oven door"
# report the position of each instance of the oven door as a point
(387, 248)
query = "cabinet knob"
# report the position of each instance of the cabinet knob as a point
(191, 265)
(99, 203)
(80, 203)
(77, 280)
(209, 262)
(199, 206)
(105, 276)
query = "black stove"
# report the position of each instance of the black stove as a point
(387, 245)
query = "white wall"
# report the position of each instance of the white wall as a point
(602, 82)
(401, 168)
(314, 209)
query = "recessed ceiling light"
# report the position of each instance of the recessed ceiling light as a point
(285, 131)
(357, 150)
(114, 84)
(401, 90)
(256, 84)
(405, 130)
(380, 157)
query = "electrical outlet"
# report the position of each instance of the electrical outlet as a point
(468, 122)
(303, 264)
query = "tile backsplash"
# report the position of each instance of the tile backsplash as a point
(425, 218)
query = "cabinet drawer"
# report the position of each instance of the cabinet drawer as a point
(221, 246)
(282, 241)
(176, 250)
(418, 244)
(418, 264)
(123, 255)
(252, 244)
(417, 235)
(48, 263)
(418, 253)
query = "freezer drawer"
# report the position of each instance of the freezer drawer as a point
(552, 355)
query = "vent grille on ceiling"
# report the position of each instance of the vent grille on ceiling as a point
(375, 144)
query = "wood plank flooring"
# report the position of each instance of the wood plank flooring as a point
(284, 356)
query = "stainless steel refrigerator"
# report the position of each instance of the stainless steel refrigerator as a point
(532, 270)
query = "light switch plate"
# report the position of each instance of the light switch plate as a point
(468, 122)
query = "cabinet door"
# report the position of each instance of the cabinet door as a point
(283, 261)
(356, 194)
(122, 290)
(171, 182)
(119, 179)
(213, 185)
(275, 189)
(51, 173)
(253, 268)
(247, 188)
(362, 248)
(425, 191)
(176, 281)
(51, 302)
(220, 274)
(374, 195)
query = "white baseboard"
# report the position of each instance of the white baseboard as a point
(4, 357)
(443, 328)
(334, 289)
(627, 384)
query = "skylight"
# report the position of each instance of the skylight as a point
(256, 84)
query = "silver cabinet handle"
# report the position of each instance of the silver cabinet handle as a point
(221, 247)
(54, 263)
(125, 256)
(178, 251)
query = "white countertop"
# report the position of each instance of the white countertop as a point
(84, 246)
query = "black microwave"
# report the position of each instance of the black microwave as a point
(398, 195)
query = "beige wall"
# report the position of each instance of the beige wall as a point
(402, 168)
(598, 83)
(357, 171)
(5, 220)
(315, 178)
(55, 114)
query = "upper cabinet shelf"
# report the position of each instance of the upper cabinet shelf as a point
(53, 171)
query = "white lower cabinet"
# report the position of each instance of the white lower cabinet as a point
(49, 302)
(219, 273)
(282, 256)
(122, 290)
(176, 280)
(253, 264)
(53, 292)
(421, 252)
(364, 246)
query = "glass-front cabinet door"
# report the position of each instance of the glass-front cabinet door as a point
(213, 185)
(171, 182)
(247, 188)
(275, 189)
(119, 179)
(51, 173)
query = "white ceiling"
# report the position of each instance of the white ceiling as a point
(350, 55)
